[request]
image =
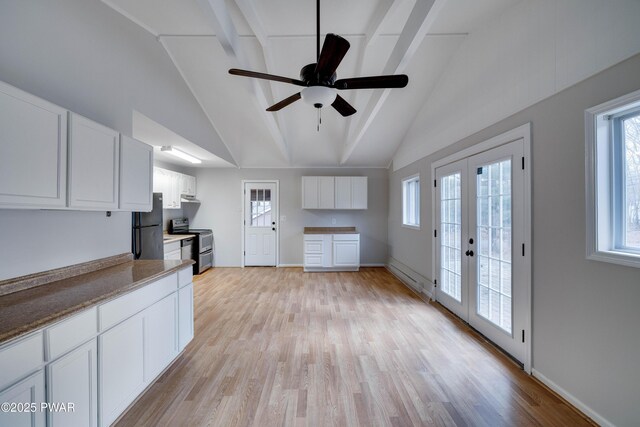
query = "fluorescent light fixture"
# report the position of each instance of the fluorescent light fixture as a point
(184, 156)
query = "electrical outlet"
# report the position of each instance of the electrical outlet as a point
(333, 221)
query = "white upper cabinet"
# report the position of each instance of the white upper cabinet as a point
(310, 195)
(343, 192)
(359, 192)
(94, 164)
(33, 151)
(326, 192)
(172, 185)
(329, 192)
(136, 175)
(188, 185)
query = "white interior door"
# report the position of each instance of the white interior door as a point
(260, 223)
(480, 252)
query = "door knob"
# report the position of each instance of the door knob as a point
(471, 241)
(273, 228)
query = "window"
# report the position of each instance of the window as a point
(411, 201)
(613, 181)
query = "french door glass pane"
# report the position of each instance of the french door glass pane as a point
(451, 227)
(493, 233)
(632, 182)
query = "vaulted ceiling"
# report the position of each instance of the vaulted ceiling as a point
(204, 38)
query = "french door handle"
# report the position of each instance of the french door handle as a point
(469, 253)
(273, 228)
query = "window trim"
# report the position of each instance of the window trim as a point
(404, 181)
(599, 188)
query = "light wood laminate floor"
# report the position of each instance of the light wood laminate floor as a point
(278, 347)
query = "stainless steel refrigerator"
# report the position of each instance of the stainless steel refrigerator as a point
(146, 235)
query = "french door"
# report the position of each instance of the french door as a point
(260, 220)
(480, 231)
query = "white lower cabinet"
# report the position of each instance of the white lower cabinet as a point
(185, 315)
(331, 252)
(346, 253)
(121, 367)
(160, 336)
(26, 392)
(73, 379)
(99, 359)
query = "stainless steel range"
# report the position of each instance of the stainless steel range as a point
(204, 246)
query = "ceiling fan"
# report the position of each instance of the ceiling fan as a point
(319, 79)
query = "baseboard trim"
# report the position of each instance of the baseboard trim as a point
(289, 265)
(570, 398)
(374, 264)
(410, 278)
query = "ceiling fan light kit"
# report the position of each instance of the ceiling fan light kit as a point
(319, 79)
(318, 96)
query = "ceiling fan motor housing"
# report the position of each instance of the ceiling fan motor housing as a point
(309, 76)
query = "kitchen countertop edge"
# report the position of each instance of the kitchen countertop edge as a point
(58, 315)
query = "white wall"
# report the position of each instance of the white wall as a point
(533, 50)
(34, 241)
(86, 57)
(221, 210)
(585, 313)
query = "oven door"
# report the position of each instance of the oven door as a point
(205, 261)
(206, 242)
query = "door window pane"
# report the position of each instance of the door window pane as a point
(493, 206)
(451, 229)
(260, 208)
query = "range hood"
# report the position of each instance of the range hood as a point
(185, 198)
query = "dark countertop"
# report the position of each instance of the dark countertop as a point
(27, 310)
(330, 230)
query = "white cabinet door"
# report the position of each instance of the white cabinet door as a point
(359, 192)
(346, 250)
(160, 336)
(173, 189)
(343, 192)
(187, 185)
(74, 379)
(94, 153)
(121, 368)
(136, 175)
(346, 253)
(310, 196)
(33, 151)
(30, 390)
(326, 192)
(191, 190)
(185, 316)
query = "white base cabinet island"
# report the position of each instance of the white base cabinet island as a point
(100, 359)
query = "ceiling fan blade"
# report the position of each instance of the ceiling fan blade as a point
(280, 105)
(264, 76)
(375, 82)
(333, 50)
(343, 107)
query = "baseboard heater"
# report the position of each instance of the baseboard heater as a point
(411, 278)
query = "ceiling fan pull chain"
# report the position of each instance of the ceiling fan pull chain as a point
(319, 119)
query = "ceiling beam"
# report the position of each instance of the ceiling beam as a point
(217, 13)
(420, 20)
(383, 11)
(248, 10)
